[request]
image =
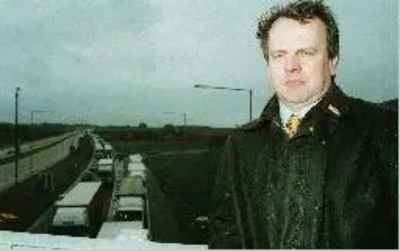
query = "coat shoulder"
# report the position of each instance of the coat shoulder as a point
(379, 115)
(256, 124)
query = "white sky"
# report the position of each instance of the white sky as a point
(124, 62)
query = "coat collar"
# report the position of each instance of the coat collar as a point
(334, 103)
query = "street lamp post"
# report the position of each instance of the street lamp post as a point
(182, 114)
(16, 143)
(33, 112)
(232, 89)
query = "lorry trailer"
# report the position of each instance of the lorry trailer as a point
(78, 212)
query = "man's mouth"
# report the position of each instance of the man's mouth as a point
(294, 82)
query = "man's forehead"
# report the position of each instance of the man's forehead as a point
(286, 30)
(304, 23)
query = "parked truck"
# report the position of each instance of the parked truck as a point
(79, 211)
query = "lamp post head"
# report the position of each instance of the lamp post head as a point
(230, 89)
(201, 86)
(17, 91)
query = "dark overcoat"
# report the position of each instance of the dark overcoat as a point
(333, 185)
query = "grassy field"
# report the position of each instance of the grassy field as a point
(179, 182)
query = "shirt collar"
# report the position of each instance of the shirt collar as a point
(285, 112)
(335, 103)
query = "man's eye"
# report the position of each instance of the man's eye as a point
(277, 55)
(307, 53)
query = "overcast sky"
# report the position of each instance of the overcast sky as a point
(124, 62)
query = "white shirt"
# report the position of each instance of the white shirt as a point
(285, 112)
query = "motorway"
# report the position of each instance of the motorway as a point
(38, 162)
(31, 146)
(42, 160)
(42, 224)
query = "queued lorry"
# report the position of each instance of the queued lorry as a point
(105, 171)
(79, 211)
(102, 149)
(130, 199)
(108, 150)
(135, 166)
(98, 150)
(135, 158)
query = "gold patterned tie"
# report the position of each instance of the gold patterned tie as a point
(292, 125)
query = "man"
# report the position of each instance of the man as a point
(318, 169)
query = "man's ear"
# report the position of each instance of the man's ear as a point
(333, 65)
(268, 71)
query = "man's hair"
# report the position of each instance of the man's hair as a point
(302, 11)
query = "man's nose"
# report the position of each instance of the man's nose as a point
(293, 64)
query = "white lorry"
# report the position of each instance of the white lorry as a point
(78, 213)
(136, 169)
(108, 150)
(135, 158)
(98, 150)
(135, 165)
(105, 170)
(130, 199)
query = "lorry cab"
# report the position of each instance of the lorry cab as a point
(129, 208)
(105, 170)
(78, 212)
(72, 221)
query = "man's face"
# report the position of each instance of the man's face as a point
(299, 67)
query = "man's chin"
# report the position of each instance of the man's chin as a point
(293, 101)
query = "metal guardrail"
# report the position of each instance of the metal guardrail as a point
(79, 178)
(116, 187)
(32, 150)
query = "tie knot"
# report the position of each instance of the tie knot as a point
(292, 125)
